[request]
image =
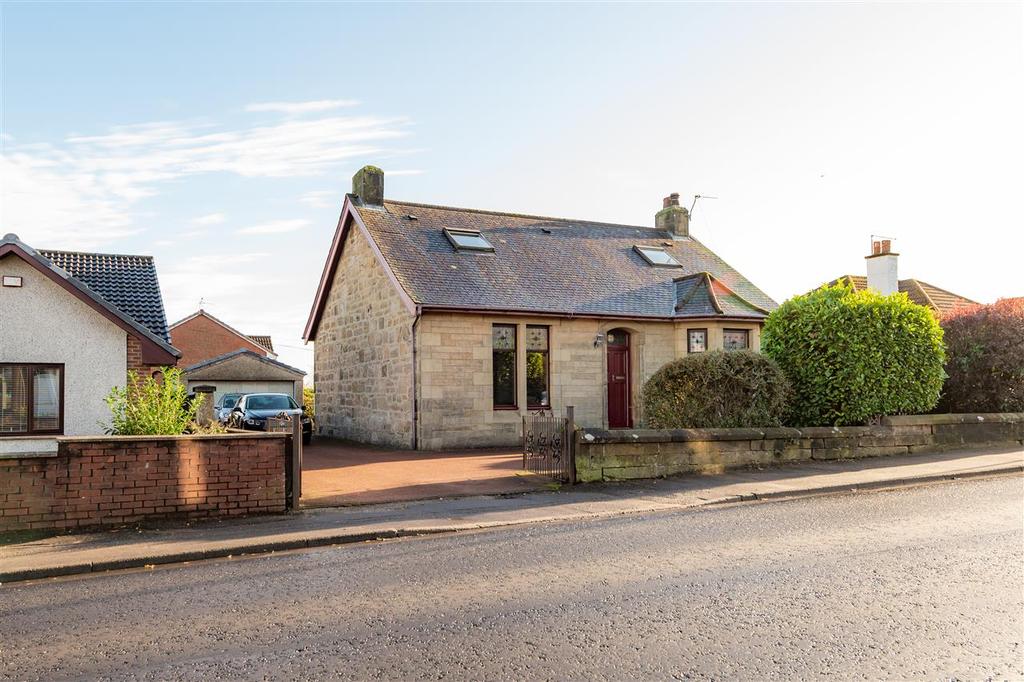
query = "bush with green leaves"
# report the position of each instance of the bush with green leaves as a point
(151, 407)
(309, 400)
(854, 356)
(985, 358)
(717, 389)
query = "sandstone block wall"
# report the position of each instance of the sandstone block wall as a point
(455, 372)
(363, 364)
(625, 454)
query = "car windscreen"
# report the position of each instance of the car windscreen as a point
(230, 400)
(270, 402)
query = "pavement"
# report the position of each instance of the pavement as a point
(336, 473)
(913, 583)
(128, 548)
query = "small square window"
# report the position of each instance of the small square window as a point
(736, 339)
(657, 256)
(696, 340)
(468, 240)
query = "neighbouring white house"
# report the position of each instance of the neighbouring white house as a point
(71, 327)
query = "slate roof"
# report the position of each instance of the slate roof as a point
(922, 293)
(263, 341)
(703, 295)
(552, 265)
(129, 283)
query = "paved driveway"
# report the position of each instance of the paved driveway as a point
(338, 473)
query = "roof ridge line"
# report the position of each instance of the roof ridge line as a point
(923, 292)
(517, 215)
(711, 292)
(97, 253)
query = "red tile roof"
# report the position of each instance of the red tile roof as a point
(922, 293)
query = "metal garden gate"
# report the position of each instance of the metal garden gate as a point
(549, 445)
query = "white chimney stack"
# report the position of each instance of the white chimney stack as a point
(882, 274)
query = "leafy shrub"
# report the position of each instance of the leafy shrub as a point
(854, 356)
(152, 407)
(717, 389)
(309, 400)
(985, 358)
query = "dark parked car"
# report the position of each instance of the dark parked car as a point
(252, 410)
(222, 408)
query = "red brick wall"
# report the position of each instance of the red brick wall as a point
(135, 359)
(201, 339)
(114, 480)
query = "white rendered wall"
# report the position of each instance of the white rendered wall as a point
(42, 322)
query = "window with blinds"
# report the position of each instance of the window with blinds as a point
(31, 399)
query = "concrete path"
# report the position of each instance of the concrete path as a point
(73, 554)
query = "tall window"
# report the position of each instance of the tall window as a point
(503, 354)
(31, 399)
(736, 339)
(538, 370)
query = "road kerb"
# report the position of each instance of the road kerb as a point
(321, 539)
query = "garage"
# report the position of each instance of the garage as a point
(244, 371)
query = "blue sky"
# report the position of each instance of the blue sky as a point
(221, 137)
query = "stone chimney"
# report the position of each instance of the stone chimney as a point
(882, 273)
(368, 185)
(673, 217)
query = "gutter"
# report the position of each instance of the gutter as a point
(578, 315)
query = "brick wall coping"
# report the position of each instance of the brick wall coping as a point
(685, 435)
(186, 437)
(29, 454)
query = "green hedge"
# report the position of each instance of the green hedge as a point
(716, 390)
(854, 356)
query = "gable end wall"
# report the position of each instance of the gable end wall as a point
(363, 360)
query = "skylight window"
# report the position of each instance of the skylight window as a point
(657, 256)
(468, 240)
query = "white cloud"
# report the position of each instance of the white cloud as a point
(321, 199)
(210, 219)
(82, 192)
(275, 227)
(301, 107)
(212, 278)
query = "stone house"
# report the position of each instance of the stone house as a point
(72, 325)
(438, 327)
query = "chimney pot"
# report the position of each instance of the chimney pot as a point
(671, 200)
(368, 185)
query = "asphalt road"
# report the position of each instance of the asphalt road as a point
(923, 583)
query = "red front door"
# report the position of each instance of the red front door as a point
(618, 380)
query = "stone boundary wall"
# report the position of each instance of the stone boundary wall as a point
(113, 480)
(647, 453)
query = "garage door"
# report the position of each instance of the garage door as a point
(246, 387)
